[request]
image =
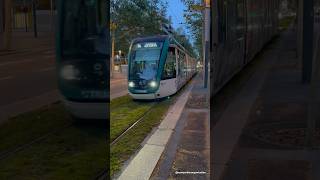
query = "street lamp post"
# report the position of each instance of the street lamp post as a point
(34, 13)
(206, 40)
(113, 29)
(120, 69)
(52, 15)
(205, 8)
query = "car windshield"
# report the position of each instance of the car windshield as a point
(145, 60)
(83, 28)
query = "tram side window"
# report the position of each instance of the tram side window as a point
(182, 64)
(169, 70)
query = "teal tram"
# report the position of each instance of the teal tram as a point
(158, 67)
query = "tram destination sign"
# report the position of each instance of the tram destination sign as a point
(148, 45)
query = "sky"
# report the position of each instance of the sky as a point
(175, 10)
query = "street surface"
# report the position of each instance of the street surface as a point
(28, 78)
(118, 87)
(26, 75)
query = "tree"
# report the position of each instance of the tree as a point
(135, 18)
(194, 20)
(180, 36)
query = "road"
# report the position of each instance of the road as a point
(25, 75)
(118, 87)
(28, 81)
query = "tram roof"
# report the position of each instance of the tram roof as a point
(151, 38)
(161, 38)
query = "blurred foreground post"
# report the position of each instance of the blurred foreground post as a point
(311, 72)
(113, 29)
(34, 13)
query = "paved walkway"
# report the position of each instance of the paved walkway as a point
(260, 133)
(187, 154)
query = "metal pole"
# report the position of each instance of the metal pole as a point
(26, 17)
(34, 12)
(25, 10)
(308, 72)
(1, 16)
(51, 15)
(307, 45)
(206, 41)
(112, 53)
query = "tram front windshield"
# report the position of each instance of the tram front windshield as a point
(144, 60)
(83, 31)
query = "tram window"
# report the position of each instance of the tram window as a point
(181, 64)
(169, 70)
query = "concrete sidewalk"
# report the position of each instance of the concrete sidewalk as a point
(187, 154)
(260, 135)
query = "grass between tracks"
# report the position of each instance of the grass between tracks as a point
(124, 112)
(131, 142)
(75, 152)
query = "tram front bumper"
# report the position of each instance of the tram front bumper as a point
(143, 96)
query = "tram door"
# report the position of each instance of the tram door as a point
(241, 28)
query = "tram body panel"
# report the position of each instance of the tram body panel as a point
(167, 88)
(242, 29)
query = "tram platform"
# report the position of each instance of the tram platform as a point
(260, 134)
(181, 142)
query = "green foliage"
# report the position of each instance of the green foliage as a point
(194, 20)
(139, 18)
(136, 18)
(179, 35)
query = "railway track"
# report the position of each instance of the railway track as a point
(132, 126)
(103, 175)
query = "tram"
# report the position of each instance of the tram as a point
(158, 66)
(240, 29)
(81, 57)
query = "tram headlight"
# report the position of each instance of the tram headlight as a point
(69, 72)
(153, 84)
(131, 84)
